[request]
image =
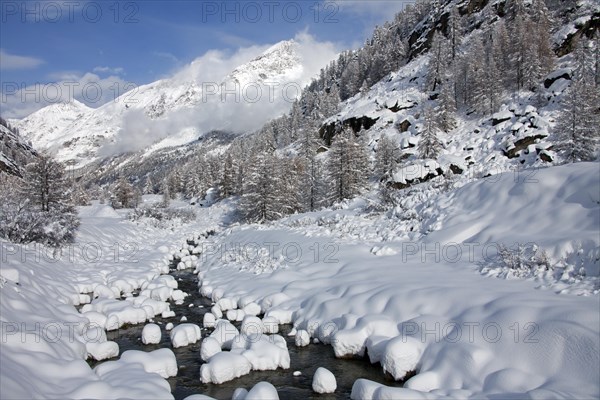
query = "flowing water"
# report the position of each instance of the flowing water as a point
(304, 359)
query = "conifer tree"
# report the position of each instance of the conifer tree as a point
(578, 127)
(45, 183)
(259, 202)
(386, 158)
(347, 166)
(429, 144)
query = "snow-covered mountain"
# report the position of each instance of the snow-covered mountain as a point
(172, 111)
(46, 126)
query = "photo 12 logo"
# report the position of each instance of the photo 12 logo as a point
(89, 93)
(125, 12)
(90, 252)
(269, 11)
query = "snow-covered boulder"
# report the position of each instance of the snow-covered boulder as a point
(161, 361)
(239, 394)
(102, 350)
(210, 346)
(209, 320)
(235, 315)
(151, 334)
(262, 391)
(185, 334)
(224, 333)
(266, 352)
(252, 325)
(271, 325)
(302, 338)
(323, 381)
(252, 309)
(401, 355)
(223, 367)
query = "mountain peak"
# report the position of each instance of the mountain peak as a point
(66, 106)
(280, 60)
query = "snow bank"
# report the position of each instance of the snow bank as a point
(161, 362)
(422, 308)
(49, 361)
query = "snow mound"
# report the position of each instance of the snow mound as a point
(302, 338)
(264, 352)
(262, 391)
(323, 381)
(151, 334)
(223, 367)
(224, 333)
(239, 394)
(184, 335)
(161, 362)
(210, 346)
(103, 350)
(252, 325)
(364, 389)
(401, 355)
(209, 320)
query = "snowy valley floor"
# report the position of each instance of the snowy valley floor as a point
(415, 289)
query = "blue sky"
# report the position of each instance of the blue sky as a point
(142, 41)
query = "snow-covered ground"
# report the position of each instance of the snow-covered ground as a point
(409, 288)
(415, 301)
(45, 340)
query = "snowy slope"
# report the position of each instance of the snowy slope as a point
(45, 127)
(515, 138)
(15, 152)
(173, 111)
(417, 306)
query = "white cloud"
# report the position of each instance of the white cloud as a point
(216, 112)
(116, 70)
(12, 61)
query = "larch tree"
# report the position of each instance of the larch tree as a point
(578, 127)
(45, 183)
(438, 61)
(149, 186)
(455, 31)
(259, 202)
(227, 182)
(446, 109)
(386, 158)
(429, 144)
(41, 210)
(348, 166)
(311, 175)
(124, 194)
